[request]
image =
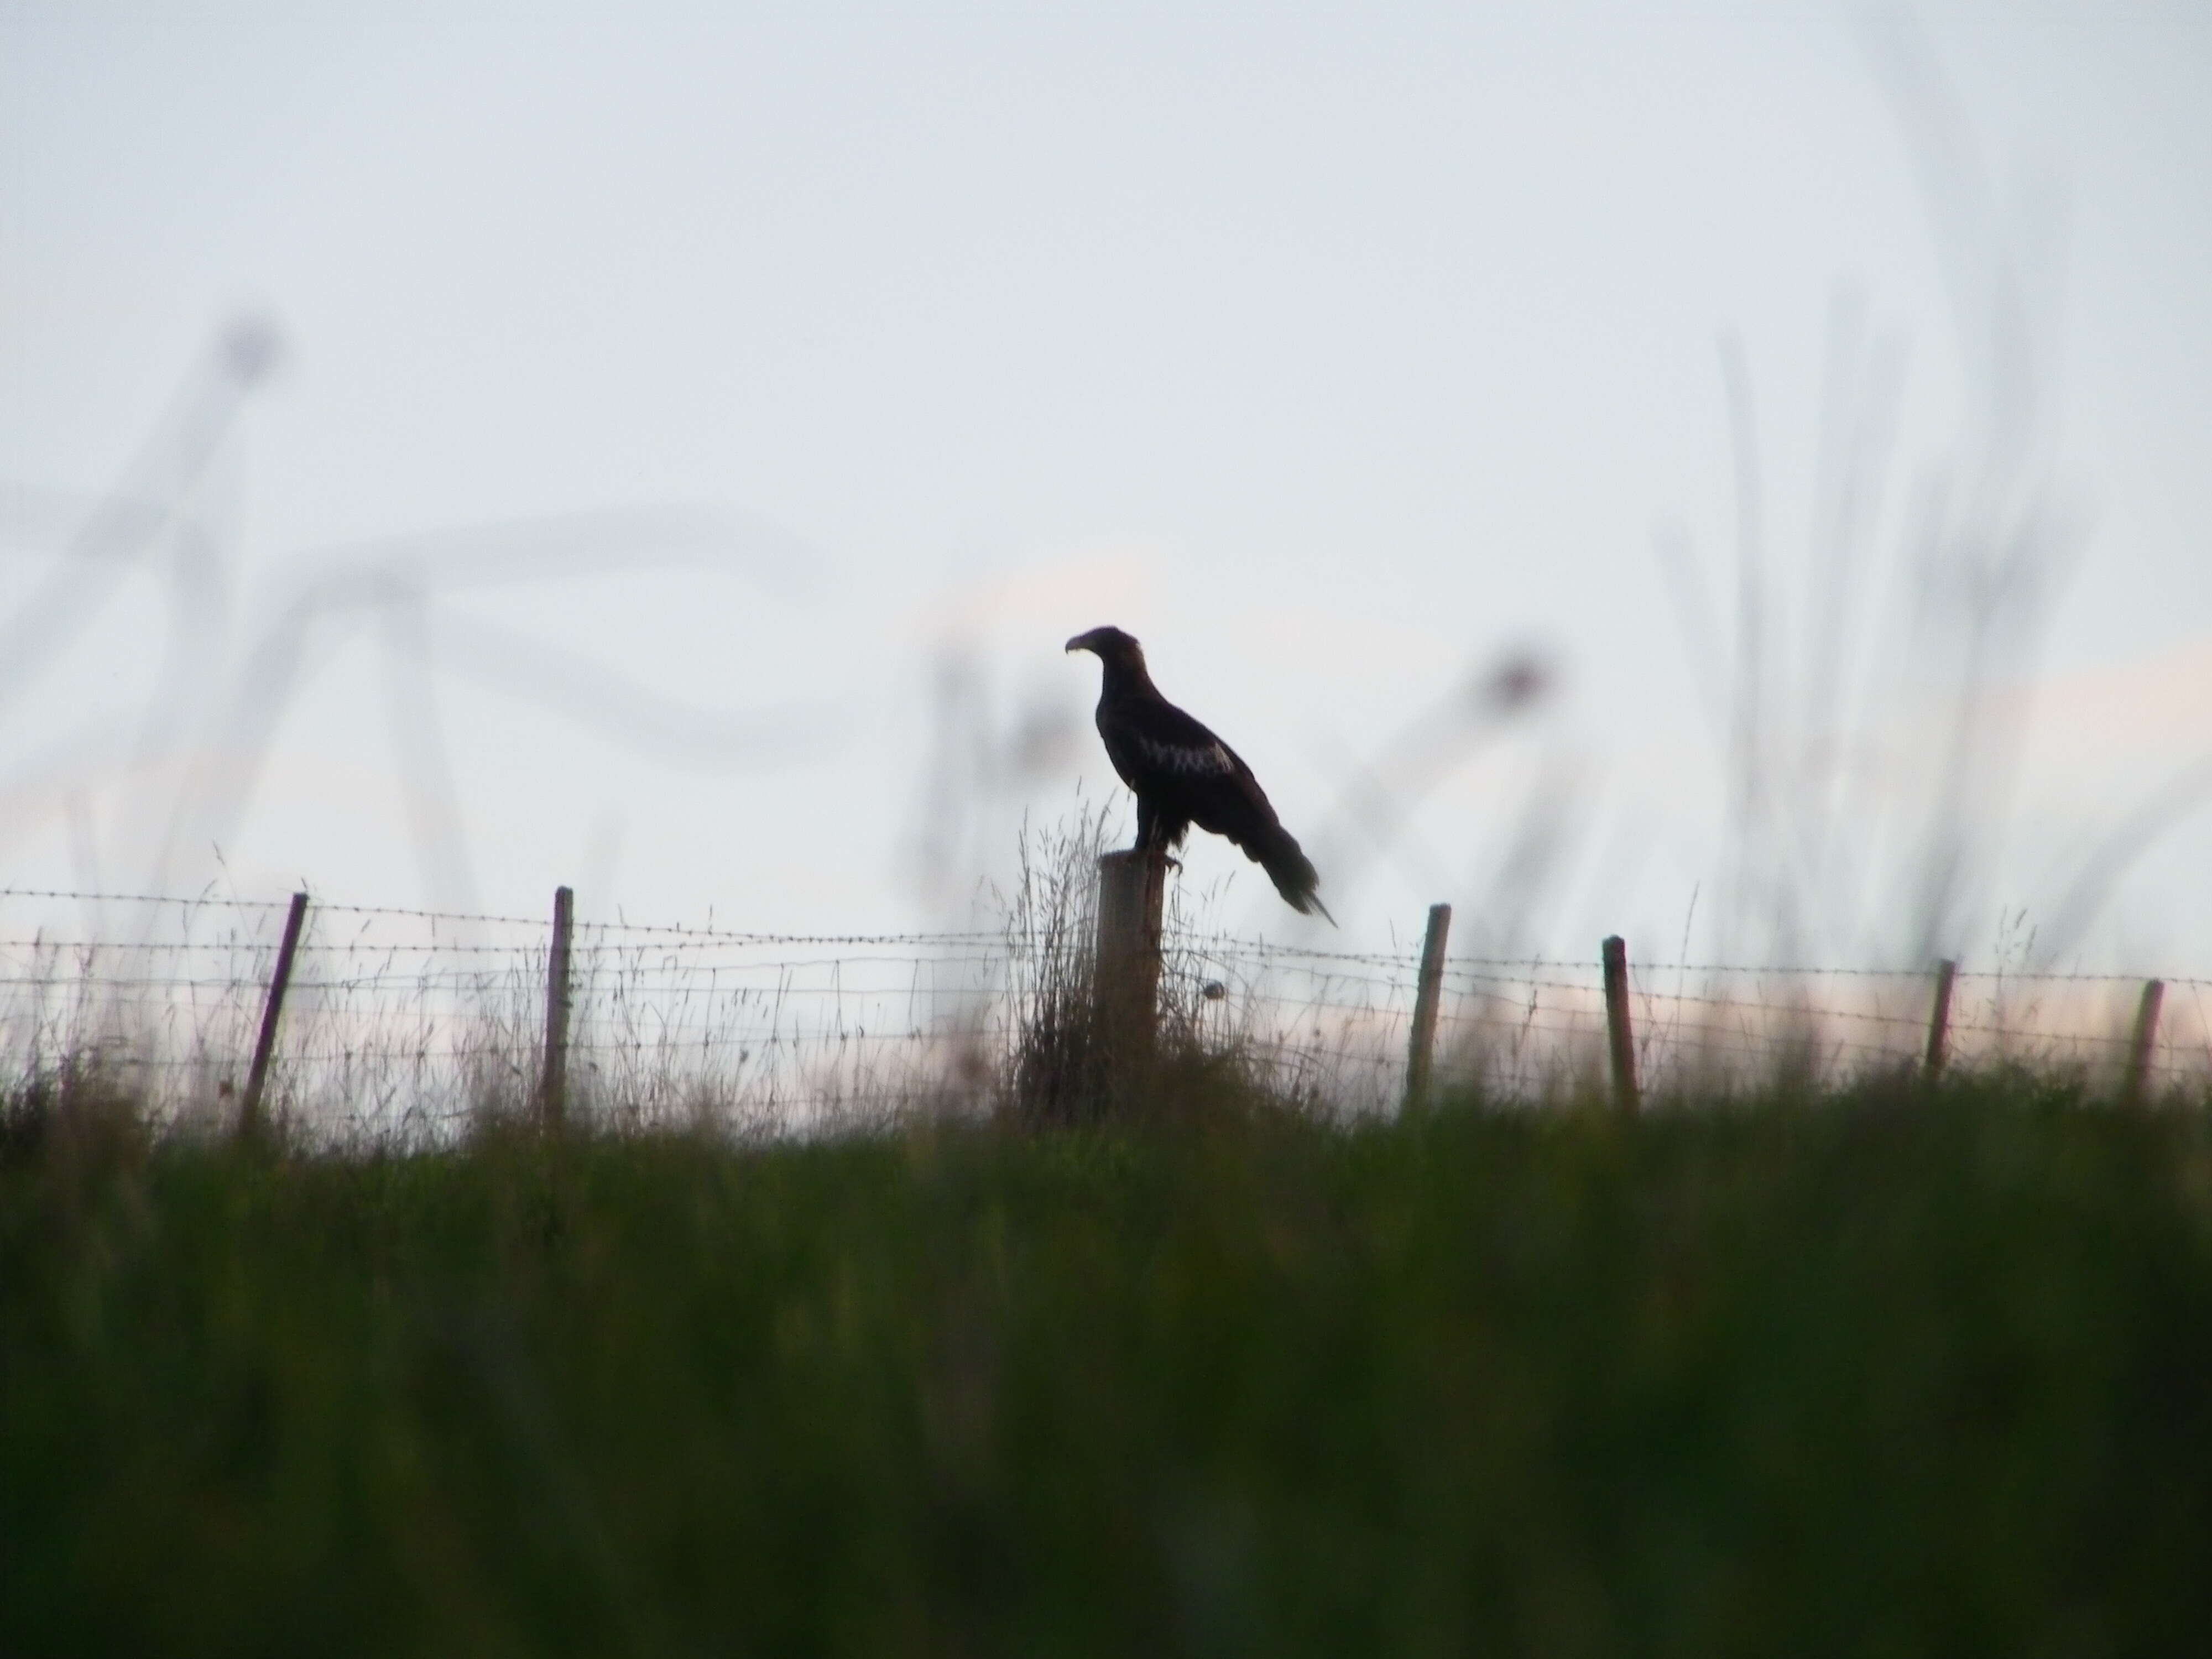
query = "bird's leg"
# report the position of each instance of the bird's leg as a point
(1158, 832)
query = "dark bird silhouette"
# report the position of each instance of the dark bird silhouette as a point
(1183, 775)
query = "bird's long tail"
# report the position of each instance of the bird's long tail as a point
(1278, 852)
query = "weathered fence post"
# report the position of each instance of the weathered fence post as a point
(1132, 895)
(1420, 1054)
(257, 1075)
(1938, 1021)
(2140, 1044)
(1622, 1036)
(553, 1089)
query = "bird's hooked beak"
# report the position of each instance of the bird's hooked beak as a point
(1108, 644)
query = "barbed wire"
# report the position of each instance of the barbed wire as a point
(728, 980)
(206, 900)
(599, 936)
(674, 930)
(794, 1020)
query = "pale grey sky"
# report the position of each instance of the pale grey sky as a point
(1330, 352)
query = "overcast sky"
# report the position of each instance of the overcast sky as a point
(725, 413)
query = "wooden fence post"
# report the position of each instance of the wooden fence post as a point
(553, 1091)
(1132, 895)
(257, 1075)
(2140, 1043)
(1420, 1054)
(1622, 1035)
(1938, 1021)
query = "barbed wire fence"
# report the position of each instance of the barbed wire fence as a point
(406, 1022)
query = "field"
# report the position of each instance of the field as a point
(1892, 1369)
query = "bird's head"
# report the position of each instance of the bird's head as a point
(1111, 646)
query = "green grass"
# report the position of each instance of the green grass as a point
(1897, 1374)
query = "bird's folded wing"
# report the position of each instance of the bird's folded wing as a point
(1161, 737)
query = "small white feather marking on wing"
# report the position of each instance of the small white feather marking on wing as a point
(1212, 759)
